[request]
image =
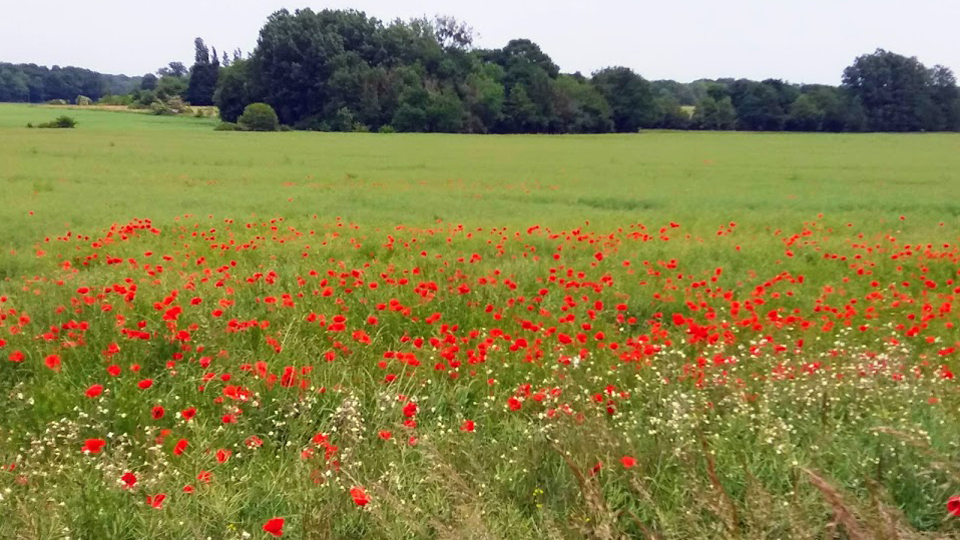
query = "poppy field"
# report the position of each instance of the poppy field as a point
(298, 335)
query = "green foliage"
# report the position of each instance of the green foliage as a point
(580, 107)
(805, 114)
(715, 115)
(259, 117)
(228, 126)
(171, 86)
(386, 128)
(234, 90)
(61, 122)
(670, 113)
(160, 108)
(120, 100)
(630, 98)
(758, 106)
(83, 101)
(204, 76)
(148, 82)
(38, 84)
(898, 93)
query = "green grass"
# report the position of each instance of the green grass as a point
(844, 247)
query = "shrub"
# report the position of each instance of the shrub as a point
(84, 101)
(312, 123)
(228, 126)
(160, 108)
(360, 127)
(387, 128)
(178, 106)
(259, 117)
(125, 99)
(29, 124)
(285, 127)
(65, 122)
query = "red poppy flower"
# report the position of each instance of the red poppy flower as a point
(129, 479)
(274, 526)
(156, 501)
(953, 506)
(113, 370)
(93, 446)
(385, 435)
(468, 426)
(359, 496)
(410, 409)
(223, 455)
(94, 390)
(188, 414)
(144, 384)
(514, 404)
(16, 356)
(628, 462)
(52, 362)
(205, 476)
(180, 447)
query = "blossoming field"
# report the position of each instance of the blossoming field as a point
(230, 335)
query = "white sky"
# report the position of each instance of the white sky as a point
(798, 40)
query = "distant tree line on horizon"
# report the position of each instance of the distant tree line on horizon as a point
(337, 70)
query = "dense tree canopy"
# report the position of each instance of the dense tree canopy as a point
(340, 70)
(36, 84)
(203, 75)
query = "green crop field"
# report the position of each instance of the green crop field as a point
(661, 335)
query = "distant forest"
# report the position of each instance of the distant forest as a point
(337, 70)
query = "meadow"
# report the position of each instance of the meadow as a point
(313, 335)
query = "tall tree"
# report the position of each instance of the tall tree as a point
(203, 75)
(630, 98)
(895, 91)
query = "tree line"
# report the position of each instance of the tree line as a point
(340, 70)
(31, 83)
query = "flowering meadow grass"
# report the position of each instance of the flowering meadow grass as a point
(663, 335)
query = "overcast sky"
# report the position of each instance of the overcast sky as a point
(799, 40)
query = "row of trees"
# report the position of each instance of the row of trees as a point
(36, 84)
(343, 71)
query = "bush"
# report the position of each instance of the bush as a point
(387, 128)
(64, 122)
(178, 106)
(259, 117)
(124, 99)
(228, 126)
(160, 108)
(312, 123)
(84, 101)
(285, 127)
(29, 124)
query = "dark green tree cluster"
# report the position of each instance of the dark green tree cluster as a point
(337, 70)
(343, 71)
(898, 93)
(37, 84)
(203, 75)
